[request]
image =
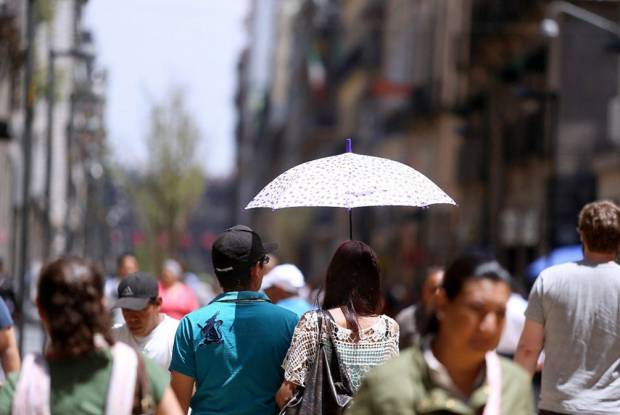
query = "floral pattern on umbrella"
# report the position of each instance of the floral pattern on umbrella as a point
(350, 180)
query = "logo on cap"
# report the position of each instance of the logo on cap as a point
(127, 292)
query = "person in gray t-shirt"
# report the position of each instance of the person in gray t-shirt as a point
(574, 314)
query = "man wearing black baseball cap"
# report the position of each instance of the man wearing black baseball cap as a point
(233, 348)
(145, 328)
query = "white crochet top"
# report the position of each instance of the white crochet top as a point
(377, 344)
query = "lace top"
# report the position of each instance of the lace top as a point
(376, 344)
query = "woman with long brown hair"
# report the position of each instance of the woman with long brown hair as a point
(83, 371)
(352, 304)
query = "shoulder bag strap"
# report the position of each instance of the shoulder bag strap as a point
(334, 349)
(387, 326)
(32, 392)
(122, 385)
(144, 403)
(494, 380)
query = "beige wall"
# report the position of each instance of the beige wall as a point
(608, 183)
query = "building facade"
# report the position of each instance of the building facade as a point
(519, 128)
(67, 137)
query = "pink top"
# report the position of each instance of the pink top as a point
(177, 300)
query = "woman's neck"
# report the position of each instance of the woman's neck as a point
(463, 370)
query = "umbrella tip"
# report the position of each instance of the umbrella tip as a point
(348, 145)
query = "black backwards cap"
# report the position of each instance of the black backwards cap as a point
(237, 249)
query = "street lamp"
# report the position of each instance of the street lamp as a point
(51, 87)
(550, 25)
(551, 28)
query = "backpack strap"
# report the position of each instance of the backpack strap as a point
(120, 399)
(32, 392)
(494, 380)
(144, 403)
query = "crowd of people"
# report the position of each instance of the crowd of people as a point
(470, 345)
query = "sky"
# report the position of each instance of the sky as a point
(149, 47)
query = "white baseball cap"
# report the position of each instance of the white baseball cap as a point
(286, 276)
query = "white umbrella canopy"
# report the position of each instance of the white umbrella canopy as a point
(350, 180)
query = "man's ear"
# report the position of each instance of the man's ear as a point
(255, 270)
(158, 302)
(256, 275)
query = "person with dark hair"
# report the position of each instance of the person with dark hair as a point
(454, 369)
(363, 337)
(413, 320)
(83, 370)
(126, 264)
(7, 292)
(9, 355)
(231, 349)
(574, 314)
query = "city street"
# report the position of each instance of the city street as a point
(414, 135)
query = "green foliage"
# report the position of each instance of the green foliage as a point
(44, 10)
(173, 181)
(39, 82)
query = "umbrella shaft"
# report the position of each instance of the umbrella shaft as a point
(351, 224)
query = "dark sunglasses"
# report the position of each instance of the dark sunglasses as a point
(264, 260)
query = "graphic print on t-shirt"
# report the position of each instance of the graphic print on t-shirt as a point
(211, 331)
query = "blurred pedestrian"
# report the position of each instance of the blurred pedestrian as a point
(177, 298)
(413, 320)
(515, 320)
(351, 308)
(9, 355)
(145, 328)
(80, 372)
(204, 292)
(454, 370)
(7, 291)
(574, 314)
(284, 285)
(231, 350)
(126, 264)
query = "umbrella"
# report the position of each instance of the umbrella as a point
(569, 253)
(348, 181)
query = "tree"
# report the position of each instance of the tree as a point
(173, 181)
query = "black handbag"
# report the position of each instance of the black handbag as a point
(328, 388)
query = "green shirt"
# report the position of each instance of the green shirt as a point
(403, 386)
(79, 386)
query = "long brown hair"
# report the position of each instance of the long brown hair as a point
(353, 283)
(70, 295)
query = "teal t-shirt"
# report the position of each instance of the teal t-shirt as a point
(234, 348)
(297, 305)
